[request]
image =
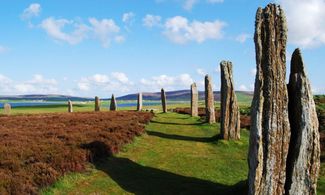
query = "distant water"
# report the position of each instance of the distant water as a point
(32, 104)
(29, 104)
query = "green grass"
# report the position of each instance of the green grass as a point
(179, 154)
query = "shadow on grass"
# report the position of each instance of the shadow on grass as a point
(183, 138)
(169, 123)
(138, 179)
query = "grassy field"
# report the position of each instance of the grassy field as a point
(178, 155)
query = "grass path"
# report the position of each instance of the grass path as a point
(178, 155)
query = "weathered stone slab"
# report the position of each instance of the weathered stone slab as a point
(7, 109)
(139, 104)
(163, 100)
(209, 100)
(70, 106)
(270, 128)
(113, 105)
(97, 104)
(194, 100)
(230, 116)
(303, 162)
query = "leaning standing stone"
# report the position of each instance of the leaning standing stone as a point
(194, 100)
(303, 161)
(7, 109)
(270, 129)
(70, 106)
(139, 104)
(113, 106)
(209, 101)
(230, 116)
(163, 100)
(97, 104)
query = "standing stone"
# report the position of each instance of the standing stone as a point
(163, 100)
(303, 161)
(113, 106)
(7, 109)
(70, 106)
(139, 105)
(230, 116)
(209, 101)
(97, 104)
(194, 100)
(270, 129)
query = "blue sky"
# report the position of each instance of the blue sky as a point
(100, 47)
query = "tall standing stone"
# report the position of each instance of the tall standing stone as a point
(70, 106)
(303, 161)
(209, 101)
(163, 100)
(97, 104)
(113, 105)
(194, 100)
(270, 129)
(230, 116)
(7, 108)
(139, 104)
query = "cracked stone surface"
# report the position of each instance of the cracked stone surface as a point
(139, 103)
(270, 128)
(194, 100)
(230, 116)
(303, 162)
(209, 100)
(97, 104)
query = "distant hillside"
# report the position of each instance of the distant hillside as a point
(45, 97)
(185, 95)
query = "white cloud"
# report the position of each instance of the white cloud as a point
(128, 17)
(215, 1)
(167, 82)
(243, 37)
(120, 76)
(151, 21)
(306, 24)
(38, 84)
(188, 4)
(105, 30)
(201, 72)
(54, 28)
(179, 30)
(243, 88)
(32, 11)
(116, 82)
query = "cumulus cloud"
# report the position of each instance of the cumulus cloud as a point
(38, 84)
(167, 82)
(179, 30)
(243, 88)
(188, 4)
(55, 29)
(201, 72)
(128, 17)
(151, 21)
(115, 82)
(306, 22)
(243, 37)
(105, 30)
(33, 10)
